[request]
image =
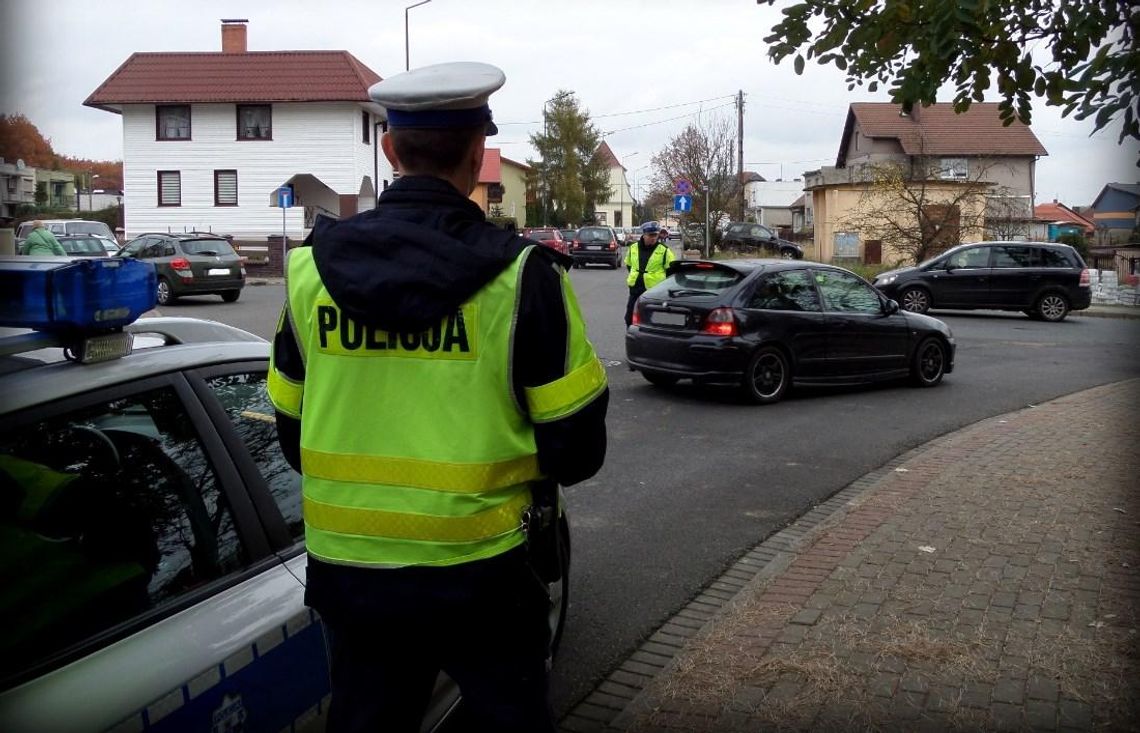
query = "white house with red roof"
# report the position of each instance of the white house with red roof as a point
(618, 211)
(210, 137)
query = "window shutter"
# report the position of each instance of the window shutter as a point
(169, 188)
(225, 188)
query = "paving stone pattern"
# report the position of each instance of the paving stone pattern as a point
(988, 580)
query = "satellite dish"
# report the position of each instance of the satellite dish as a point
(20, 164)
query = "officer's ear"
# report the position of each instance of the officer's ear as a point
(475, 159)
(389, 149)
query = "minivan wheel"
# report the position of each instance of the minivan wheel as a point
(165, 294)
(1052, 307)
(929, 363)
(767, 376)
(915, 300)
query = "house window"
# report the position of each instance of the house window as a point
(172, 122)
(254, 122)
(170, 188)
(366, 127)
(225, 188)
(953, 169)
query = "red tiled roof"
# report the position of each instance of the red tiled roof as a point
(492, 168)
(258, 76)
(605, 153)
(1059, 212)
(938, 130)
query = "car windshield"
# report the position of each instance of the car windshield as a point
(89, 227)
(207, 247)
(569, 233)
(594, 235)
(82, 246)
(697, 280)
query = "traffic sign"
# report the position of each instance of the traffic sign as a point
(683, 187)
(682, 203)
(285, 197)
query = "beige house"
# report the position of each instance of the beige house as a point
(972, 176)
(502, 186)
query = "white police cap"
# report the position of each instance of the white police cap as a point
(440, 96)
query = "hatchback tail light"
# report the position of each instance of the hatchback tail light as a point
(1085, 278)
(613, 244)
(636, 316)
(720, 322)
(181, 266)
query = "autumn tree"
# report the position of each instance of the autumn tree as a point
(571, 179)
(705, 155)
(21, 140)
(1092, 49)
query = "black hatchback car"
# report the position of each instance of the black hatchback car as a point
(190, 264)
(1043, 280)
(742, 236)
(766, 324)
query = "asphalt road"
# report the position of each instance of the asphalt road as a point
(694, 478)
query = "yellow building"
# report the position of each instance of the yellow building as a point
(502, 184)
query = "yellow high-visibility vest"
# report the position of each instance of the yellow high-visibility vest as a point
(414, 448)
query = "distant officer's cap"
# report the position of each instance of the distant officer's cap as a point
(440, 96)
(650, 227)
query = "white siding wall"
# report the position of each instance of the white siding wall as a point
(323, 140)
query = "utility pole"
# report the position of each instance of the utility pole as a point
(740, 149)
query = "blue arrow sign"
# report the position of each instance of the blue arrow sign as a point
(285, 197)
(682, 203)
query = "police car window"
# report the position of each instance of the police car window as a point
(246, 402)
(846, 293)
(118, 511)
(790, 290)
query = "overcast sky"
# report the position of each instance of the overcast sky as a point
(643, 70)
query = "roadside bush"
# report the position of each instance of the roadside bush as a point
(1077, 242)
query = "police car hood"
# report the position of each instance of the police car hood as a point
(405, 265)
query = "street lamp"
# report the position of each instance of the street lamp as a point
(407, 64)
(621, 201)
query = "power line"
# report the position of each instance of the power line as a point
(636, 127)
(634, 112)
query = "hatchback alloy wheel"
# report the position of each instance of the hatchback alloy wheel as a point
(929, 363)
(767, 376)
(165, 295)
(915, 300)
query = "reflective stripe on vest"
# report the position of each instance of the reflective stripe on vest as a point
(413, 449)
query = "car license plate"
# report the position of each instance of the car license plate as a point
(218, 271)
(594, 246)
(668, 319)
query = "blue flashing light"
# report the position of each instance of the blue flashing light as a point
(82, 295)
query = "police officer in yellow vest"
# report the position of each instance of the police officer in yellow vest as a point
(646, 261)
(433, 381)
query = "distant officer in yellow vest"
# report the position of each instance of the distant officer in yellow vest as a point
(646, 261)
(433, 383)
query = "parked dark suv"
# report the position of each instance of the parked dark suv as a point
(1044, 281)
(190, 264)
(759, 241)
(596, 244)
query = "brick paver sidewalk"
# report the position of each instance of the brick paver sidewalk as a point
(986, 581)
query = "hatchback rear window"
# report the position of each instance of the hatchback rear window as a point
(594, 235)
(207, 247)
(697, 280)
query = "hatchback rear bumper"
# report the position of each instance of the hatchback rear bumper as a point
(206, 285)
(697, 356)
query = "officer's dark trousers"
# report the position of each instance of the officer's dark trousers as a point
(390, 632)
(635, 292)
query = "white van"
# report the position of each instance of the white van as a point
(68, 226)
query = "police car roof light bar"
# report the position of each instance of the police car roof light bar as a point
(75, 297)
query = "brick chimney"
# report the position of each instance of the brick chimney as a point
(233, 35)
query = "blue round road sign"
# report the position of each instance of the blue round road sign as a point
(683, 187)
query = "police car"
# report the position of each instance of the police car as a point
(152, 541)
